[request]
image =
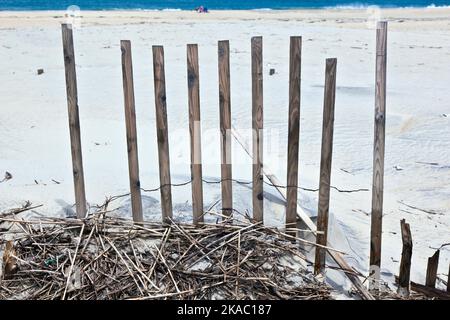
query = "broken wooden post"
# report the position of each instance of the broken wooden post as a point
(225, 126)
(378, 156)
(325, 163)
(195, 132)
(162, 132)
(74, 120)
(257, 127)
(432, 268)
(130, 122)
(293, 131)
(405, 263)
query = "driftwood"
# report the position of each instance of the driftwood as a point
(26, 207)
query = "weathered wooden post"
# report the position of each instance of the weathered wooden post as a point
(225, 126)
(325, 163)
(378, 156)
(405, 263)
(74, 120)
(257, 127)
(162, 132)
(432, 268)
(448, 279)
(293, 130)
(130, 122)
(195, 132)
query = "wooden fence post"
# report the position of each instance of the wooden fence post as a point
(378, 156)
(257, 126)
(293, 130)
(162, 132)
(195, 132)
(405, 263)
(448, 279)
(325, 163)
(130, 121)
(225, 126)
(74, 120)
(432, 268)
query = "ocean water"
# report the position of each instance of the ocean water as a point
(210, 4)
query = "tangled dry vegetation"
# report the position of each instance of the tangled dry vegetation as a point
(106, 257)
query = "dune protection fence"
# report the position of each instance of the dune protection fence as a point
(288, 191)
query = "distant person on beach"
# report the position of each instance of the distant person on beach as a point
(201, 9)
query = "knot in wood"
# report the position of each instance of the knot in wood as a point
(379, 116)
(67, 59)
(191, 78)
(221, 51)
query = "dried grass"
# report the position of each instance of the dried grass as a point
(106, 257)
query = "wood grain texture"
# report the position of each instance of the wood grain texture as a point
(130, 123)
(325, 163)
(74, 120)
(405, 263)
(162, 132)
(293, 130)
(195, 132)
(257, 127)
(432, 267)
(448, 279)
(378, 155)
(225, 126)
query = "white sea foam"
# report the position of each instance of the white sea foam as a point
(147, 10)
(433, 6)
(359, 6)
(172, 9)
(355, 5)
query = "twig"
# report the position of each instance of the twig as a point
(73, 262)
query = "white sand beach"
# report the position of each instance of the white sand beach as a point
(34, 135)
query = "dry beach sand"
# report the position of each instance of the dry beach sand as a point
(34, 138)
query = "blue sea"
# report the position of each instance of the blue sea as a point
(210, 4)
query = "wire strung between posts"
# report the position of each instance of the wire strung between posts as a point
(249, 183)
(168, 184)
(233, 180)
